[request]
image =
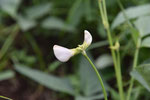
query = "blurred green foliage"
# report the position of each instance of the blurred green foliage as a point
(30, 28)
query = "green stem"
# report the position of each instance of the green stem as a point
(120, 76)
(136, 52)
(132, 79)
(124, 14)
(97, 73)
(103, 10)
(9, 41)
(5, 97)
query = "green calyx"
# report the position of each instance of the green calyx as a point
(80, 48)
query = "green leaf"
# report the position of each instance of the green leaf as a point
(132, 12)
(55, 23)
(142, 25)
(10, 6)
(38, 11)
(141, 74)
(104, 61)
(6, 75)
(25, 23)
(76, 13)
(90, 97)
(146, 42)
(89, 81)
(50, 81)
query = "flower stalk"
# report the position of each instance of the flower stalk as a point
(97, 73)
(134, 66)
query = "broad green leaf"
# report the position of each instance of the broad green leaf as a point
(104, 61)
(141, 74)
(142, 25)
(146, 42)
(50, 81)
(132, 12)
(25, 23)
(89, 80)
(55, 23)
(90, 97)
(10, 6)
(38, 11)
(6, 75)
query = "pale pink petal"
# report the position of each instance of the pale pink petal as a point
(87, 37)
(62, 54)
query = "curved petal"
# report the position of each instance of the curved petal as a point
(87, 37)
(62, 54)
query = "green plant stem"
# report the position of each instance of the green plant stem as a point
(124, 14)
(119, 76)
(97, 73)
(136, 51)
(132, 79)
(9, 41)
(102, 7)
(5, 97)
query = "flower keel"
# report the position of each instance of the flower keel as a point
(63, 54)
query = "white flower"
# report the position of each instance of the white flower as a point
(87, 37)
(64, 54)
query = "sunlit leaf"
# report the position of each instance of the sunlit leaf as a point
(55, 23)
(89, 97)
(10, 6)
(104, 61)
(50, 81)
(132, 12)
(142, 25)
(38, 11)
(141, 74)
(25, 23)
(6, 75)
(146, 42)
